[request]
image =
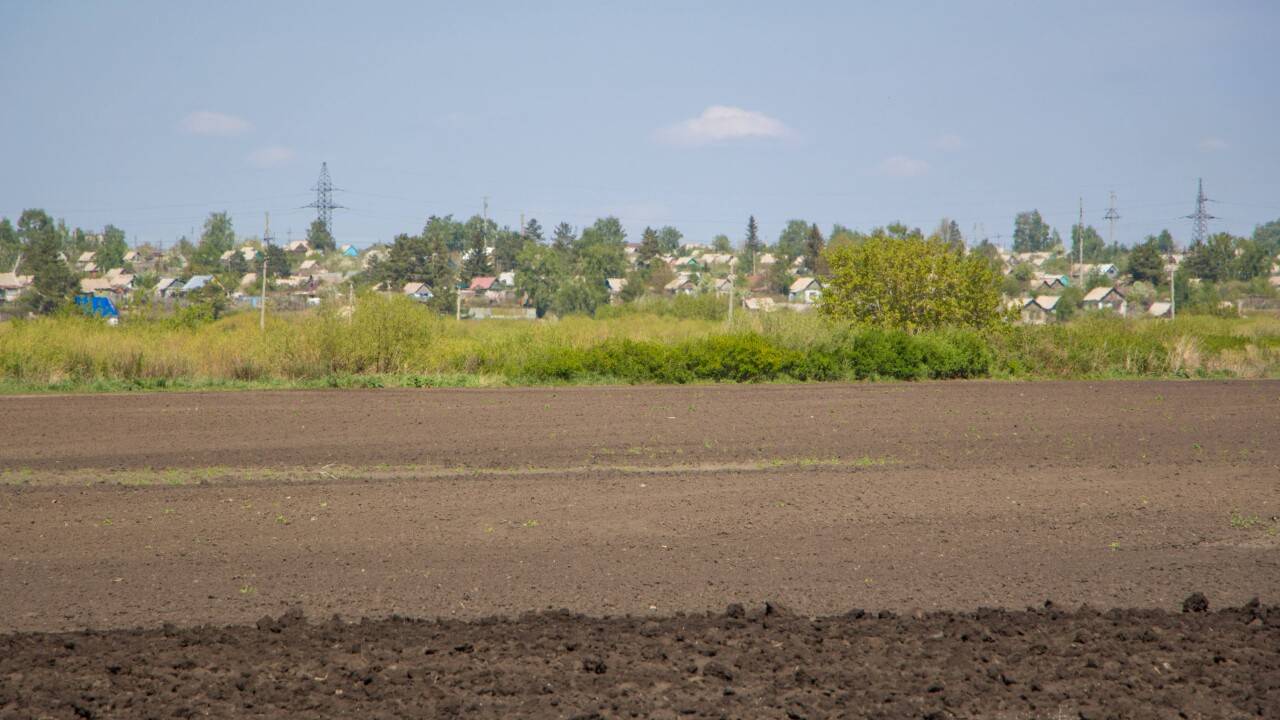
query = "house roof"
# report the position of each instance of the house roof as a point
(298, 246)
(92, 285)
(1048, 302)
(248, 279)
(681, 280)
(482, 282)
(802, 284)
(507, 278)
(1159, 309)
(165, 284)
(11, 281)
(1099, 294)
(615, 284)
(416, 288)
(119, 281)
(87, 256)
(196, 282)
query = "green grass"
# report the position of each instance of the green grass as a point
(392, 342)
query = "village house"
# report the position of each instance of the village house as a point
(722, 286)
(417, 291)
(301, 247)
(1040, 309)
(683, 284)
(805, 290)
(615, 286)
(760, 304)
(1105, 298)
(12, 286)
(167, 287)
(1042, 283)
(1160, 310)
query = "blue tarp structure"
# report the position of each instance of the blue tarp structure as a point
(99, 306)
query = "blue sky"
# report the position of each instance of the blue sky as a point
(152, 114)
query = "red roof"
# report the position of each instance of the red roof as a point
(482, 283)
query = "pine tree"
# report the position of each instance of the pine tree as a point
(650, 248)
(562, 238)
(54, 284)
(477, 262)
(813, 247)
(753, 244)
(319, 237)
(533, 231)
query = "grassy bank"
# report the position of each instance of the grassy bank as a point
(393, 342)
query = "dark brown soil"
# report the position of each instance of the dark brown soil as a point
(765, 662)
(651, 502)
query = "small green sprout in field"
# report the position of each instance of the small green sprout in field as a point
(1196, 447)
(248, 590)
(708, 444)
(106, 521)
(530, 523)
(1114, 546)
(1240, 521)
(168, 511)
(281, 519)
(324, 504)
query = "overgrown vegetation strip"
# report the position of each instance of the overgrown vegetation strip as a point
(177, 477)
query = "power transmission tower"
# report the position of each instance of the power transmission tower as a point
(1111, 217)
(324, 204)
(1201, 217)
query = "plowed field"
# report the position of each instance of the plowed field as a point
(144, 539)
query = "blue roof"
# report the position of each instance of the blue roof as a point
(196, 282)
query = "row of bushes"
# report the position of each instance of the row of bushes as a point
(392, 341)
(854, 354)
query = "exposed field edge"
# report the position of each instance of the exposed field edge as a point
(1041, 663)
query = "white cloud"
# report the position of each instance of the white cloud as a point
(950, 142)
(272, 156)
(903, 167)
(1211, 144)
(720, 123)
(207, 122)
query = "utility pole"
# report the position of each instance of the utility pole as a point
(1173, 291)
(1111, 217)
(731, 298)
(1080, 246)
(262, 299)
(457, 312)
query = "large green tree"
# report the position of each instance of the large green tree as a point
(563, 238)
(54, 284)
(1031, 233)
(910, 283)
(10, 245)
(669, 238)
(111, 253)
(1146, 262)
(650, 248)
(813, 247)
(540, 270)
(476, 261)
(752, 245)
(792, 239)
(1094, 246)
(217, 238)
(1212, 259)
(533, 231)
(319, 237)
